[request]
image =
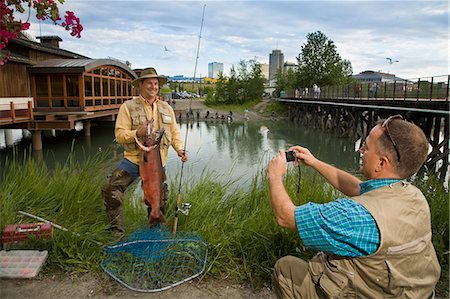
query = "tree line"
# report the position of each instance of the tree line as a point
(318, 63)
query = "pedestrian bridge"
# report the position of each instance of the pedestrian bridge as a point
(352, 110)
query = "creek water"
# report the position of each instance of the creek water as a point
(230, 152)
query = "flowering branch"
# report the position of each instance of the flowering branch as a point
(45, 9)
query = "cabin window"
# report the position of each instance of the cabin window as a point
(118, 88)
(56, 82)
(88, 86)
(124, 88)
(42, 103)
(41, 87)
(112, 90)
(73, 103)
(58, 103)
(105, 87)
(97, 86)
(72, 86)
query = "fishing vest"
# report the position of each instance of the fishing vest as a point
(139, 117)
(405, 264)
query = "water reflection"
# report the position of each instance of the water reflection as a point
(240, 150)
(233, 151)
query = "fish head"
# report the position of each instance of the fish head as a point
(153, 137)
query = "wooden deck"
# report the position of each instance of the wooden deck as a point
(18, 114)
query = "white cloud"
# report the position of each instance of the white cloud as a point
(365, 32)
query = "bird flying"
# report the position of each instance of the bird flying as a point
(391, 61)
(165, 49)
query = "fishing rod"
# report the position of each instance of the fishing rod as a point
(56, 226)
(186, 206)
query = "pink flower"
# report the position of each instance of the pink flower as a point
(25, 26)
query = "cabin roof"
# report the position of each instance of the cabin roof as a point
(46, 48)
(76, 65)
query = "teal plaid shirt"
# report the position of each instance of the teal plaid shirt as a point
(342, 227)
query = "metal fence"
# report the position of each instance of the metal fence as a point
(418, 89)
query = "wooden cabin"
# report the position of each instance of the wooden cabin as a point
(41, 78)
(80, 84)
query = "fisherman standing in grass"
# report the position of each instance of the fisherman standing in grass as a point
(374, 244)
(132, 122)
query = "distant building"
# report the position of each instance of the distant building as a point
(376, 77)
(182, 78)
(290, 66)
(276, 62)
(214, 68)
(265, 70)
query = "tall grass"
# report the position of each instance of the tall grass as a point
(69, 196)
(238, 225)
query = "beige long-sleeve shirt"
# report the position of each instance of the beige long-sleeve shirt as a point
(125, 133)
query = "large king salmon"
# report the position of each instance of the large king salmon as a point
(151, 171)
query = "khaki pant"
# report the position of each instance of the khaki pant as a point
(291, 279)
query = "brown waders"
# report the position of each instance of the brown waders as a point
(113, 197)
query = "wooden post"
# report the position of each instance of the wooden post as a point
(87, 128)
(13, 111)
(30, 110)
(36, 138)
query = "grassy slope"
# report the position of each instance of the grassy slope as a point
(238, 225)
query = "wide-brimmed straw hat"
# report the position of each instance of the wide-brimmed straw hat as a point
(149, 73)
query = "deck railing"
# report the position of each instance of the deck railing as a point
(15, 112)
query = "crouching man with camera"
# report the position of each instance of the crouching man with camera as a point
(376, 243)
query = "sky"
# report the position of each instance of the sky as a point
(165, 34)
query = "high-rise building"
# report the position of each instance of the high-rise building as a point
(214, 68)
(276, 61)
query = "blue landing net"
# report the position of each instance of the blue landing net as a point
(152, 260)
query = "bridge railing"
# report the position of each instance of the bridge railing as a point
(418, 89)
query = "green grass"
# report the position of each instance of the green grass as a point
(234, 107)
(243, 238)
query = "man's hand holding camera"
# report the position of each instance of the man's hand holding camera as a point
(295, 154)
(302, 154)
(277, 166)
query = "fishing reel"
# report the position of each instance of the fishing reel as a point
(185, 207)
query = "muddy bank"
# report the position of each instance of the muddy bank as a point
(101, 286)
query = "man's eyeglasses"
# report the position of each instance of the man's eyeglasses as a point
(385, 125)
